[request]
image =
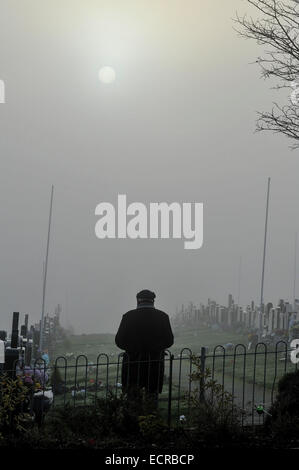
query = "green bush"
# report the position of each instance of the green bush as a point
(283, 418)
(14, 396)
(152, 427)
(213, 411)
(115, 416)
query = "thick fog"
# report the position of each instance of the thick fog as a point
(176, 125)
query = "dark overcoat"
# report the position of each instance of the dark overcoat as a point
(144, 334)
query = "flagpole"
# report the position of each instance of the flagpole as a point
(45, 274)
(239, 280)
(295, 271)
(264, 261)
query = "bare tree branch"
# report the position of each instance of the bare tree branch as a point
(277, 26)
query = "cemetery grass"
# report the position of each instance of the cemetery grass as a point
(94, 344)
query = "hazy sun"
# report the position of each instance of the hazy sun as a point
(106, 74)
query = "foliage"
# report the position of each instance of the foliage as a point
(107, 421)
(283, 418)
(116, 416)
(212, 408)
(120, 423)
(68, 423)
(119, 415)
(13, 400)
(152, 427)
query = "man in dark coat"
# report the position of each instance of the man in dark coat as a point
(144, 333)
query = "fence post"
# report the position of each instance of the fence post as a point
(170, 390)
(202, 374)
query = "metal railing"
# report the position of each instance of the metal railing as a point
(250, 377)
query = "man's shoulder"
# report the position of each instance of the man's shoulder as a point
(161, 313)
(129, 312)
(137, 311)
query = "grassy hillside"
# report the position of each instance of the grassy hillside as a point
(93, 344)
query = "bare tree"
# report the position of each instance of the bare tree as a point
(277, 26)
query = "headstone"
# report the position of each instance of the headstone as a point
(271, 320)
(15, 330)
(3, 335)
(2, 352)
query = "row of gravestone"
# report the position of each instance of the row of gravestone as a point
(281, 317)
(21, 347)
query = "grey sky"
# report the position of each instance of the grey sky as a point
(176, 125)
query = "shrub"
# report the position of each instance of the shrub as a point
(213, 411)
(152, 427)
(115, 416)
(14, 400)
(283, 418)
(115, 419)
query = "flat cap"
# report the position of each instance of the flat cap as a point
(146, 295)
